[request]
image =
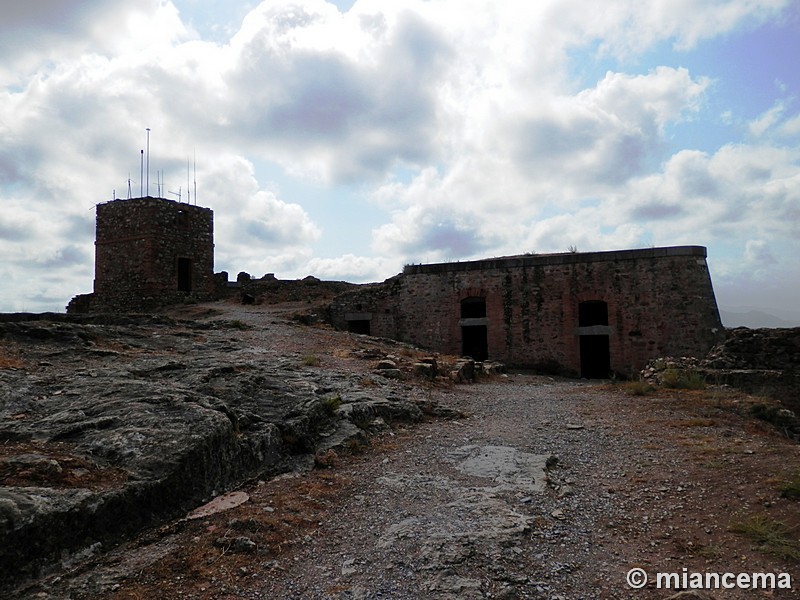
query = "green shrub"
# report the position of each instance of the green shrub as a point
(682, 380)
(332, 404)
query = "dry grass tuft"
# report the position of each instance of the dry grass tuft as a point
(311, 360)
(772, 537)
(791, 487)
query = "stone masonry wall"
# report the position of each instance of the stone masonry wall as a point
(139, 245)
(660, 302)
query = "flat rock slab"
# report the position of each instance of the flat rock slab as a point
(476, 524)
(219, 504)
(506, 466)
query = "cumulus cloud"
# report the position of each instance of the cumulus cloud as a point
(319, 111)
(38, 34)
(606, 134)
(353, 268)
(758, 253)
(262, 233)
(460, 119)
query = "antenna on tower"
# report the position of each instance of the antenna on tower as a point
(148, 161)
(141, 176)
(178, 194)
(195, 177)
(129, 186)
(188, 193)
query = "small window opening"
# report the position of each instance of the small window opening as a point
(473, 308)
(592, 312)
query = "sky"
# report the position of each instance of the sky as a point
(347, 139)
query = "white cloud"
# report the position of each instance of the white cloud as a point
(460, 118)
(317, 110)
(766, 120)
(627, 29)
(37, 34)
(355, 269)
(262, 233)
(757, 254)
(607, 134)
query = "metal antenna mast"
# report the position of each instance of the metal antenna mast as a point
(148, 161)
(141, 176)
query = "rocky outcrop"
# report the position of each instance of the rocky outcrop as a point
(760, 361)
(768, 349)
(110, 424)
(763, 362)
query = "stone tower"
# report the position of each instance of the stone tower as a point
(150, 252)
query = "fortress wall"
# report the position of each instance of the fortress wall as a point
(659, 302)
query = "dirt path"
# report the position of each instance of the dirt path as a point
(460, 508)
(544, 489)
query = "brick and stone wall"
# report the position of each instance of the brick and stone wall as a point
(659, 301)
(150, 252)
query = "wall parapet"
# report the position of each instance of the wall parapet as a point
(561, 258)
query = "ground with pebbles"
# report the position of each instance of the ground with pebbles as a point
(538, 488)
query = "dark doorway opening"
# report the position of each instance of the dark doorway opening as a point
(474, 342)
(184, 275)
(359, 326)
(595, 357)
(594, 348)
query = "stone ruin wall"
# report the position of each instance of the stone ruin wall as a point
(660, 302)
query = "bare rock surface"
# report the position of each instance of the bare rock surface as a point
(532, 487)
(112, 423)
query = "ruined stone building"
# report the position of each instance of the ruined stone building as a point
(590, 313)
(149, 252)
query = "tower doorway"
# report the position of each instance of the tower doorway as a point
(184, 275)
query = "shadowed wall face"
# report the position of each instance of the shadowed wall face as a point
(590, 314)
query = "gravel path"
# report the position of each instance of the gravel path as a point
(620, 492)
(425, 523)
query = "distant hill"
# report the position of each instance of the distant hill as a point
(754, 319)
